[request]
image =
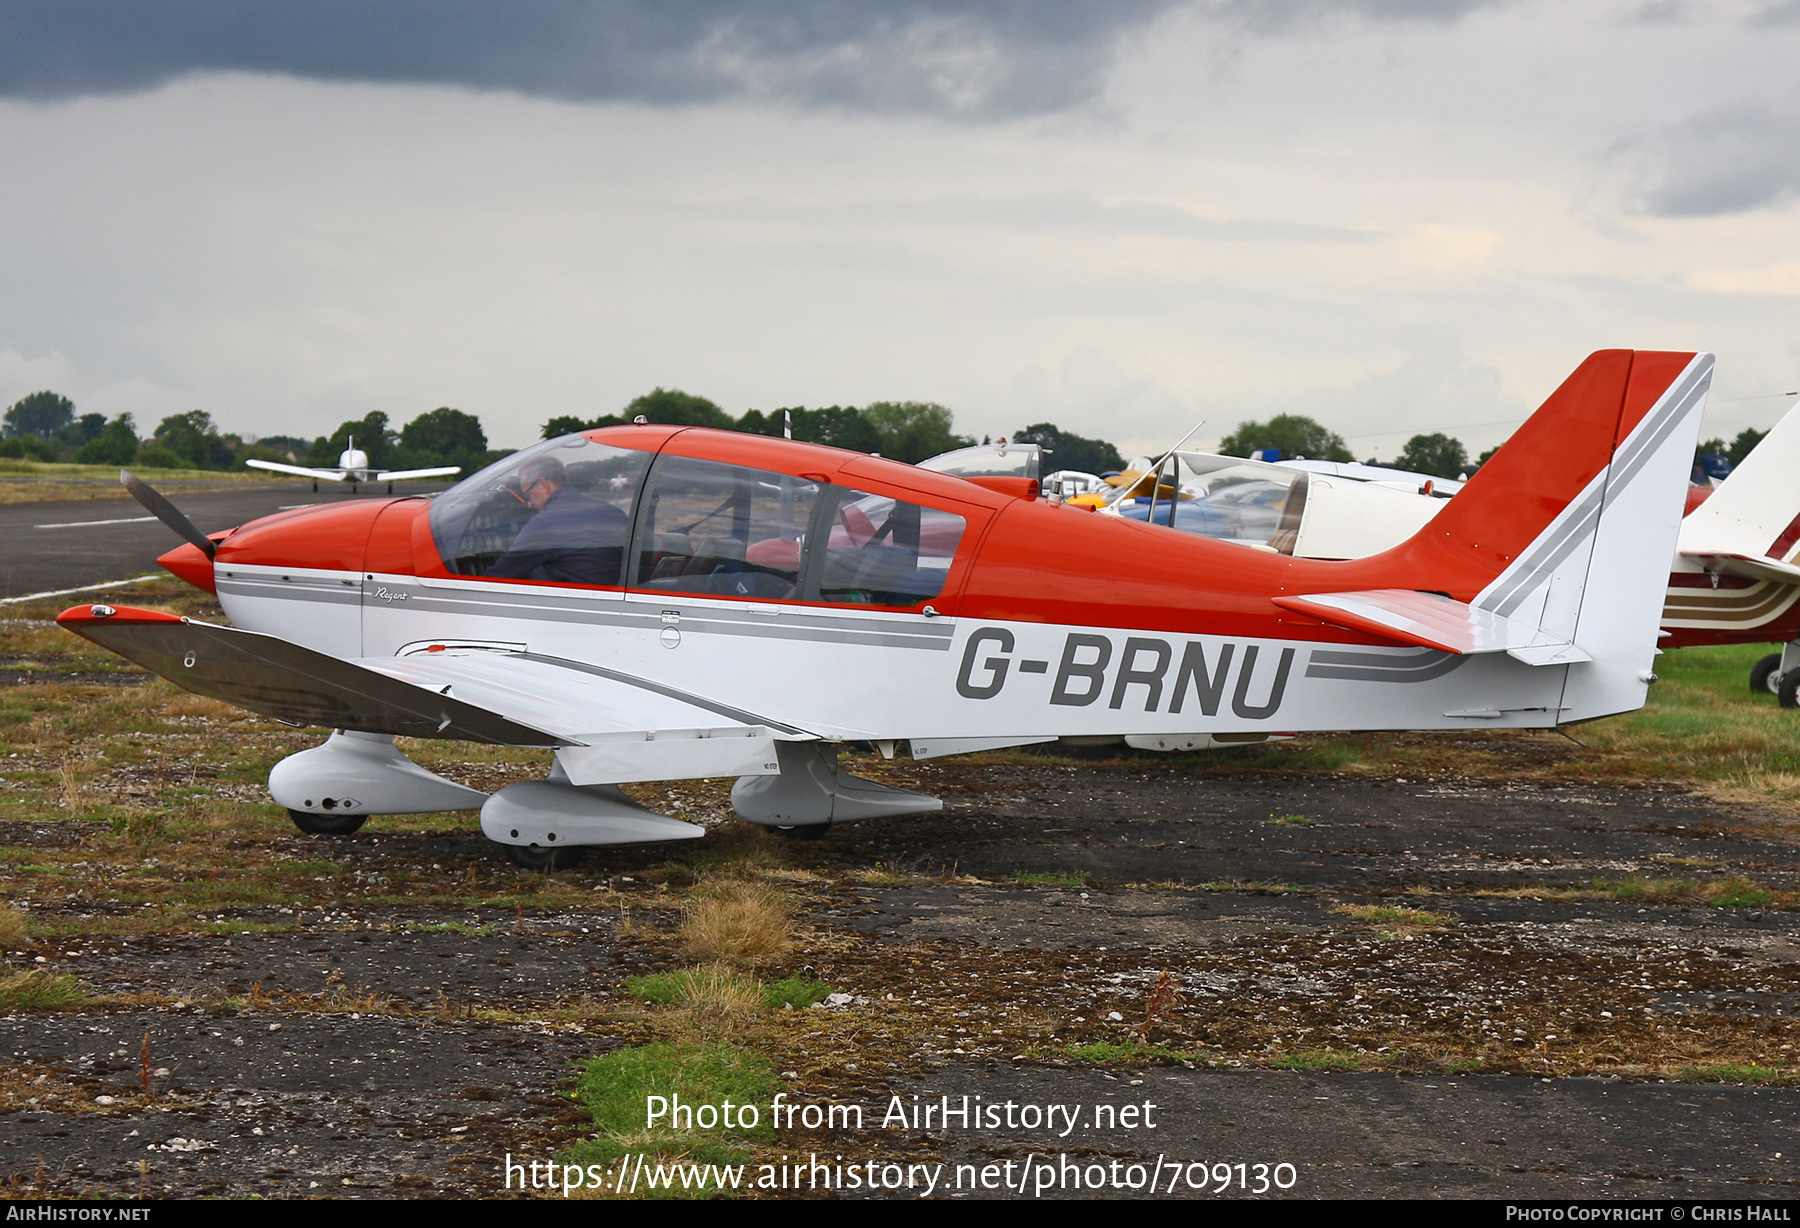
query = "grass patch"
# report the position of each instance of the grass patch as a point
(1051, 878)
(1253, 886)
(14, 924)
(740, 923)
(1317, 1059)
(1398, 921)
(1292, 820)
(1732, 892)
(1728, 1073)
(795, 991)
(1106, 1053)
(1702, 722)
(41, 991)
(617, 1090)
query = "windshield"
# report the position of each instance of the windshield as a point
(989, 460)
(1224, 497)
(559, 511)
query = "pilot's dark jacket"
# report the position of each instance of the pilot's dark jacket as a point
(575, 539)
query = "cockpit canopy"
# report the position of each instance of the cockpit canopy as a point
(577, 510)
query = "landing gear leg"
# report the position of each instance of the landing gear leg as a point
(1773, 668)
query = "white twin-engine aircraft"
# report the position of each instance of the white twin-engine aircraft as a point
(353, 467)
(654, 602)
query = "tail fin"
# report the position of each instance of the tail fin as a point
(1557, 551)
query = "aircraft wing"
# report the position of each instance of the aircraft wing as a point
(323, 475)
(608, 727)
(405, 475)
(1750, 566)
(1433, 621)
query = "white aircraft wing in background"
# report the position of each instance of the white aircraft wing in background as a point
(317, 475)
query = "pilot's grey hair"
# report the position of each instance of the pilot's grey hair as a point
(542, 467)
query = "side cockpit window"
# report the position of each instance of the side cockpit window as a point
(882, 551)
(559, 511)
(724, 529)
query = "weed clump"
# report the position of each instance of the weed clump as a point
(15, 923)
(741, 923)
(1051, 878)
(1735, 892)
(1317, 1059)
(795, 991)
(1728, 1073)
(38, 990)
(1397, 922)
(1106, 1052)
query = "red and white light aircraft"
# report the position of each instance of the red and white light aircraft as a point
(660, 603)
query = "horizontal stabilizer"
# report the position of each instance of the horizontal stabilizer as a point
(1431, 620)
(1750, 566)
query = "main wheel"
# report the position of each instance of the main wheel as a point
(536, 857)
(1765, 675)
(1788, 693)
(327, 824)
(803, 831)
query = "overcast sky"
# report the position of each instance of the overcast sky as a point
(1393, 215)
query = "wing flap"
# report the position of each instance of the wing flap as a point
(1430, 620)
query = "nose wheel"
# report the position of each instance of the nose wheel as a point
(327, 824)
(535, 857)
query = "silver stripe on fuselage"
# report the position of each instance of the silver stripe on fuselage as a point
(290, 588)
(1413, 665)
(646, 611)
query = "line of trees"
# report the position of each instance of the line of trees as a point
(45, 426)
(1297, 436)
(909, 431)
(901, 430)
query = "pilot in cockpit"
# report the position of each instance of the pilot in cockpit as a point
(574, 538)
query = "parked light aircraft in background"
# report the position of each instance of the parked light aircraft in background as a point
(1735, 577)
(654, 602)
(353, 467)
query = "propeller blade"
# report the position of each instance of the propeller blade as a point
(166, 512)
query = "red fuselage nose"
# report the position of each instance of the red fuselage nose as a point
(333, 537)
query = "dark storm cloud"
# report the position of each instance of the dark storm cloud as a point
(1722, 161)
(969, 57)
(957, 56)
